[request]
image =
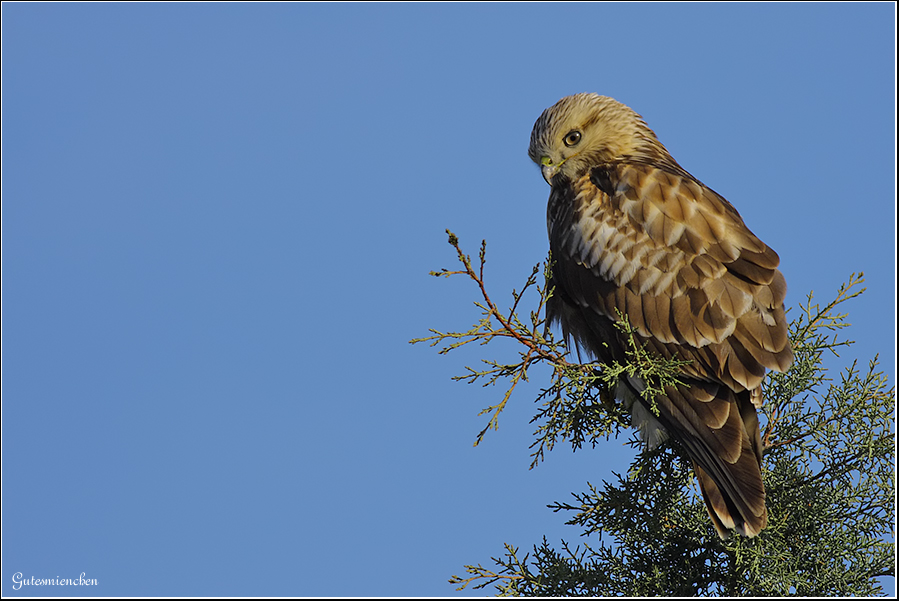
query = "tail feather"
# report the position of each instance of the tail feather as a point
(725, 515)
(719, 430)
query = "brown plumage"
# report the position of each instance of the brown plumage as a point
(630, 230)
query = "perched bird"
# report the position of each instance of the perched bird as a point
(630, 230)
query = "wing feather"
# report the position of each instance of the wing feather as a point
(675, 242)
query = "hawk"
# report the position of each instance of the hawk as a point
(631, 231)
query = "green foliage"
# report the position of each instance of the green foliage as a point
(828, 469)
(577, 406)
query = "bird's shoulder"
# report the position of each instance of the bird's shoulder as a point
(648, 240)
(627, 216)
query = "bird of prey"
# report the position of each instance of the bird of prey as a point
(631, 231)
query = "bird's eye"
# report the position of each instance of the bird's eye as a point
(572, 138)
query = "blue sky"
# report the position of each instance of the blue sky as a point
(218, 222)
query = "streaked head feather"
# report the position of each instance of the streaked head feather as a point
(609, 131)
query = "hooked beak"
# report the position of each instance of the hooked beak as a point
(549, 169)
(548, 172)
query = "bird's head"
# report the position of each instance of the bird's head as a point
(584, 130)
